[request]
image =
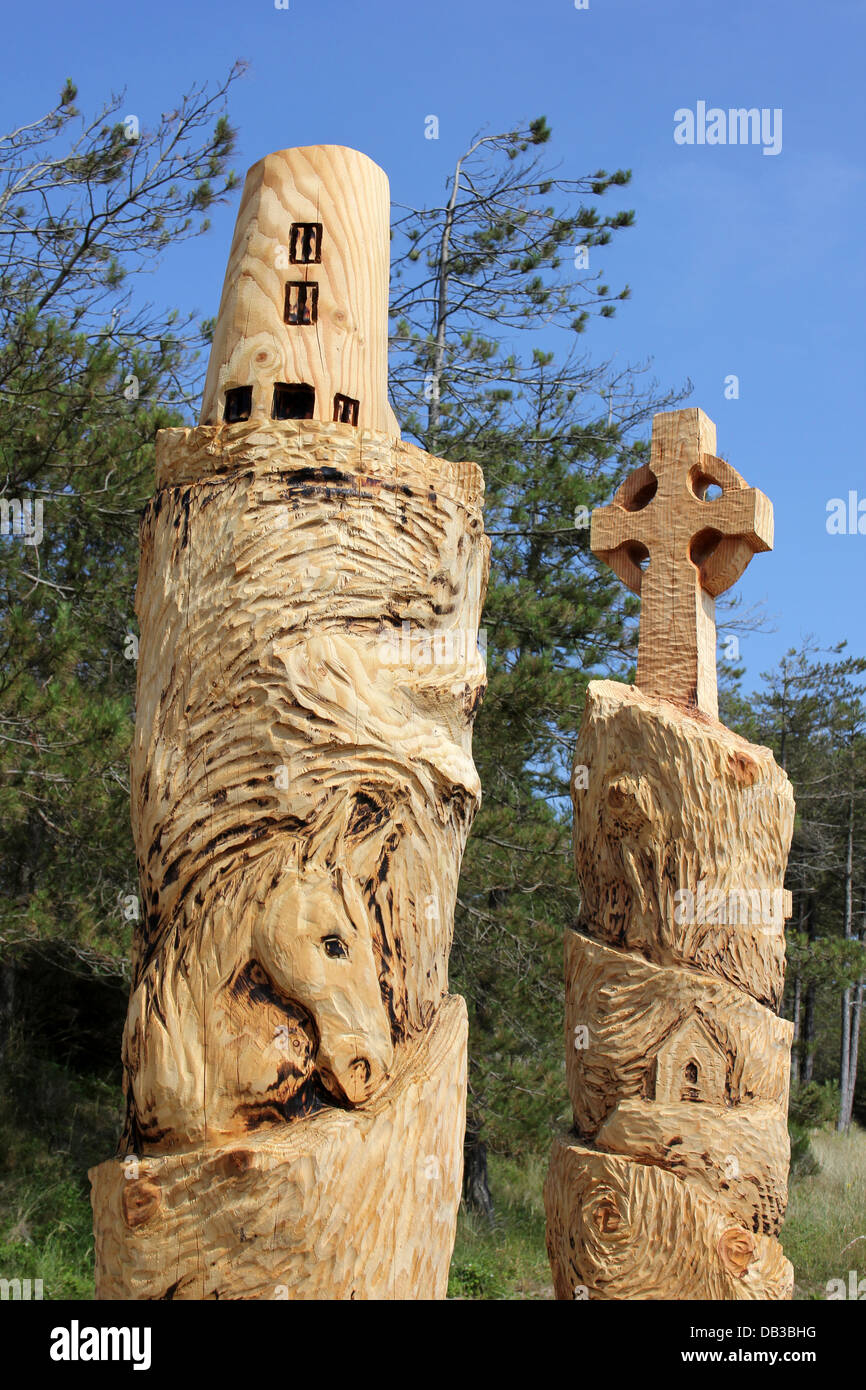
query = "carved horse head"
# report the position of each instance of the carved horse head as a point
(313, 939)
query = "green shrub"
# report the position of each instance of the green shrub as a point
(804, 1161)
(814, 1105)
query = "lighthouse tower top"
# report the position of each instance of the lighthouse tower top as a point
(302, 330)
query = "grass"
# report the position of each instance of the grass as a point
(824, 1235)
(510, 1261)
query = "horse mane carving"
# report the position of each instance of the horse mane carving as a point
(300, 823)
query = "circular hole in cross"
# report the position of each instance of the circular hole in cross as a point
(640, 490)
(639, 555)
(703, 545)
(705, 488)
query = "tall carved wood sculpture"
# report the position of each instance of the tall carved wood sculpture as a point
(302, 787)
(672, 1184)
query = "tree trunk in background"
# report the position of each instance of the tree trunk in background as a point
(856, 1009)
(476, 1192)
(807, 1030)
(809, 1012)
(797, 1002)
(856, 1013)
(844, 1119)
(796, 1043)
(7, 1002)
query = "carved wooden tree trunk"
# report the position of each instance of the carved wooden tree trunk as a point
(302, 787)
(672, 1184)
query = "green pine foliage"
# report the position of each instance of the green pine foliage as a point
(88, 374)
(514, 248)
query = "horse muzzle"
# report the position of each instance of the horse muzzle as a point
(355, 1072)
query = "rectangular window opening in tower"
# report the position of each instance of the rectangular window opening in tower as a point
(305, 243)
(239, 404)
(293, 401)
(302, 302)
(346, 410)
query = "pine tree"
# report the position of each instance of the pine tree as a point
(88, 374)
(554, 436)
(811, 713)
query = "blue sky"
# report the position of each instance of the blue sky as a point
(740, 263)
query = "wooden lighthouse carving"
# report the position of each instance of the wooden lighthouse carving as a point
(673, 1182)
(310, 254)
(302, 787)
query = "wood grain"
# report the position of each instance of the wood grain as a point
(346, 1205)
(673, 1182)
(302, 788)
(346, 350)
(633, 1009)
(302, 781)
(299, 757)
(623, 1230)
(671, 803)
(696, 548)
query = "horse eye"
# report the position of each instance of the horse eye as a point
(334, 946)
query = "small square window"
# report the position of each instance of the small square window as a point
(302, 302)
(346, 410)
(293, 402)
(305, 243)
(239, 404)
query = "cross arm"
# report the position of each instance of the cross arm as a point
(743, 519)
